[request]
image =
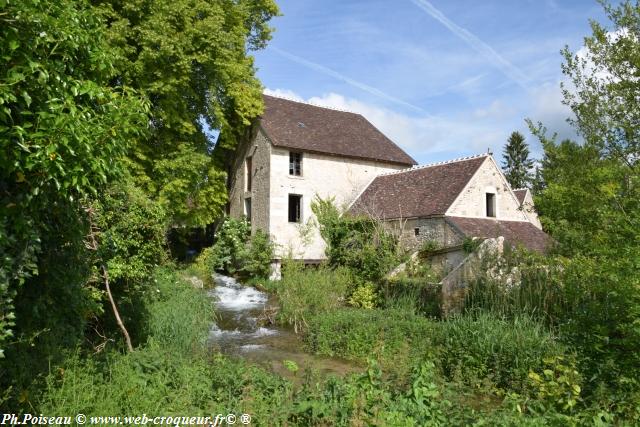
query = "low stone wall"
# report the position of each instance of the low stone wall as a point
(456, 283)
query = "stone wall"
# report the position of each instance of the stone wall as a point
(323, 175)
(260, 151)
(472, 200)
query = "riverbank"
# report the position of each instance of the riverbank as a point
(420, 371)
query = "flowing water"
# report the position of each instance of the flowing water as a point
(241, 332)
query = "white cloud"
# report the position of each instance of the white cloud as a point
(284, 93)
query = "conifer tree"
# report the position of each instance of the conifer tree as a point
(516, 162)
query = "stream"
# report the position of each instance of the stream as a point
(238, 332)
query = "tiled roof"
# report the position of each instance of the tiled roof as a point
(306, 127)
(514, 232)
(520, 194)
(417, 192)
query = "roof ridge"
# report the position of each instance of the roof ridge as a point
(286, 98)
(430, 165)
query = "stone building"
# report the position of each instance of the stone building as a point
(449, 202)
(298, 151)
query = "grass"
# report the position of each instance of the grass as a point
(303, 293)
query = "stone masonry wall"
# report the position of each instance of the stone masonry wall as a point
(260, 150)
(323, 175)
(472, 200)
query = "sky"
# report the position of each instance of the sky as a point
(442, 78)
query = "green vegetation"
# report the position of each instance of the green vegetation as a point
(103, 110)
(238, 252)
(516, 162)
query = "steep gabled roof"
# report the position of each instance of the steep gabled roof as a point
(418, 192)
(514, 232)
(521, 193)
(306, 127)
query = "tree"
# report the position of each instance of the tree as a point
(604, 88)
(591, 205)
(64, 129)
(516, 163)
(189, 57)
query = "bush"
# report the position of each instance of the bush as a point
(237, 252)
(360, 243)
(364, 296)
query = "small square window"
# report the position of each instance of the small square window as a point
(416, 231)
(295, 164)
(295, 208)
(491, 205)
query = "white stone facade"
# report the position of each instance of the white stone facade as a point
(323, 175)
(471, 201)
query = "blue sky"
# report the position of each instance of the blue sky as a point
(443, 79)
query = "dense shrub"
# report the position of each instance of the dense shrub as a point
(362, 244)
(236, 251)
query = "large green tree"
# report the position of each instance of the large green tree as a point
(65, 126)
(516, 162)
(189, 57)
(591, 205)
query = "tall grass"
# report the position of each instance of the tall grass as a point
(168, 374)
(519, 283)
(503, 350)
(304, 292)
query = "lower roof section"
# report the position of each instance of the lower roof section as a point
(514, 232)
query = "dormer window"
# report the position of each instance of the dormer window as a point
(491, 205)
(295, 163)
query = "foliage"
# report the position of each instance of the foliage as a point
(189, 58)
(364, 296)
(559, 383)
(132, 234)
(63, 129)
(519, 282)
(603, 89)
(306, 292)
(260, 254)
(165, 373)
(503, 351)
(427, 248)
(395, 337)
(516, 162)
(229, 247)
(591, 206)
(470, 244)
(203, 266)
(235, 251)
(416, 291)
(360, 243)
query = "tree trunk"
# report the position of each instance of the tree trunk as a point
(127, 338)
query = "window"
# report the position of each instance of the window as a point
(247, 208)
(491, 205)
(416, 231)
(295, 164)
(295, 208)
(249, 171)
